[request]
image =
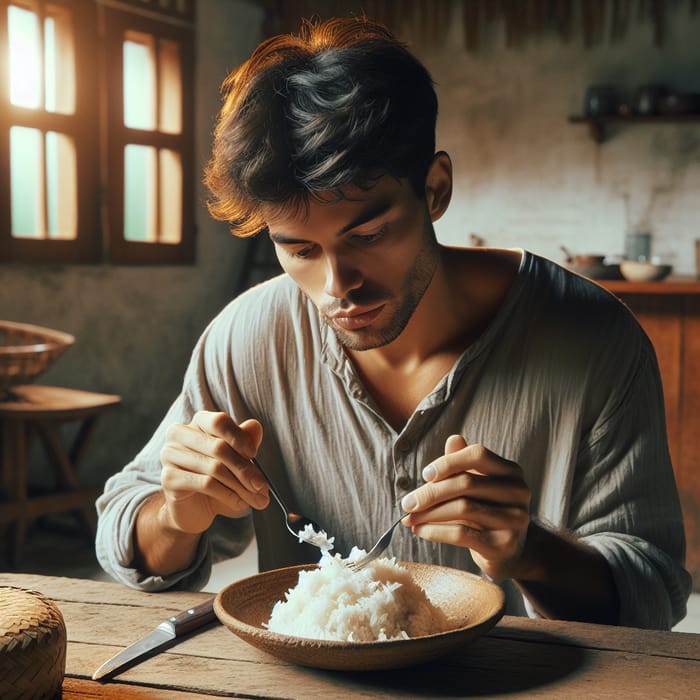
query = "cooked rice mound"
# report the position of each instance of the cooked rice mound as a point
(380, 602)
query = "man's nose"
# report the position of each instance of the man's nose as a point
(342, 276)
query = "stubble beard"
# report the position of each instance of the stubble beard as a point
(415, 285)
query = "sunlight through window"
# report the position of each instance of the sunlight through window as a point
(97, 101)
(170, 195)
(42, 184)
(152, 175)
(139, 193)
(27, 182)
(42, 65)
(43, 168)
(170, 83)
(25, 58)
(61, 186)
(139, 82)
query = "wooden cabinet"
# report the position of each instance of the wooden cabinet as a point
(669, 312)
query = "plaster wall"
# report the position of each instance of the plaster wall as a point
(525, 176)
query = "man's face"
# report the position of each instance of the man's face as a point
(365, 261)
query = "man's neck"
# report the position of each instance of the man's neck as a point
(465, 294)
(462, 299)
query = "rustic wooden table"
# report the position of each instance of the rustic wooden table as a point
(519, 658)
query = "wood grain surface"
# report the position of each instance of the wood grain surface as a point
(519, 658)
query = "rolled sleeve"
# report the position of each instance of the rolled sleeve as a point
(652, 588)
(126, 492)
(625, 503)
(118, 509)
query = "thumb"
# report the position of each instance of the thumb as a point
(254, 432)
(454, 443)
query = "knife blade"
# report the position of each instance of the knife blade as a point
(168, 633)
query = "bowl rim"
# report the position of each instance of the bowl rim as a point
(52, 338)
(260, 632)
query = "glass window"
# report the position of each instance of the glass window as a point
(82, 190)
(150, 146)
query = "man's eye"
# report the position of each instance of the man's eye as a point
(369, 238)
(304, 252)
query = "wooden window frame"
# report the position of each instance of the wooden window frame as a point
(81, 126)
(117, 25)
(99, 134)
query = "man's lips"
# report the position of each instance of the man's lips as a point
(355, 320)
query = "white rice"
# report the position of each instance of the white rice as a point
(379, 602)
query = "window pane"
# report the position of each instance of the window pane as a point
(170, 85)
(25, 53)
(139, 193)
(61, 186)
(59, 63)
(139, 82)
(26, 182)
(170, 197)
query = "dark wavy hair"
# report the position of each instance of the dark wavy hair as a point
(342, 103)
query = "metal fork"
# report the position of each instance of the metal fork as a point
(294, 521)
(378, 549)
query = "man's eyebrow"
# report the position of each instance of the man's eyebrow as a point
(377, 209)
(285, 240)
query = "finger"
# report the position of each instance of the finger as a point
(472, 513)
(244, 440)
(254, 431)
(496, 491)
(186, 504)
(490, 544)
(234, 445)
(454, 443)
(185, 469)
(191, 491)
(472, 458)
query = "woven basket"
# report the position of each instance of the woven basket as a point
(26, 351)
(32, 646)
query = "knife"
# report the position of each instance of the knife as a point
(168, 633)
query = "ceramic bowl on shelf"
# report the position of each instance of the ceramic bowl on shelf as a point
(639, 271)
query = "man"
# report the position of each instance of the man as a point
(513, 409)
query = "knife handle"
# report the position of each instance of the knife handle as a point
(193, 618)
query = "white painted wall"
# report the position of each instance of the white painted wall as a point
(527, 177)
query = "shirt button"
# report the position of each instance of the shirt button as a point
(404, 483)
(403, 445)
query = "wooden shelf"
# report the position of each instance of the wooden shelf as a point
(597, 124)
(672, 285)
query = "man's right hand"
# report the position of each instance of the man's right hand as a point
(207, 471)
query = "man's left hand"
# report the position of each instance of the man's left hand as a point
(474, 498)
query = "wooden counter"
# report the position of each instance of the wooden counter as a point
(669, 312)
(671, 285)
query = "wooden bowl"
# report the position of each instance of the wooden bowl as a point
(472, 606)
(26, 351)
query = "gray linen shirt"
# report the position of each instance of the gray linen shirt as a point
(563, 381)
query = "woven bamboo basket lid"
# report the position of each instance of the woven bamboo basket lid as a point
(32, 646)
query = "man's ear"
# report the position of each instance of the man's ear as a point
(438, 185)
